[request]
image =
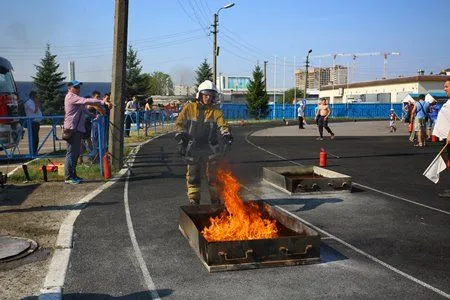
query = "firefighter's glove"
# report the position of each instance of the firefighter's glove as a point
(182, 139)
(228, 140)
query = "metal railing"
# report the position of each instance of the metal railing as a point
(17, 132)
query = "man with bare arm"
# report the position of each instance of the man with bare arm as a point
(322, 114)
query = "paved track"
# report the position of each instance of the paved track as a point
(374, 246)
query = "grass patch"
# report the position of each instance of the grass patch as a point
(85, 170)
(135, 138)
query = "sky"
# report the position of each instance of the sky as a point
(173, 36)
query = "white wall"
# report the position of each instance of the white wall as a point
(393, 89)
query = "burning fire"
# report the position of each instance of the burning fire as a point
(240, 221)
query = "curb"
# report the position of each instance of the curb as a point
(56, 274)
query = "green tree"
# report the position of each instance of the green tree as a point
(203, 72)
(257, 97)
(289, 95)
(136, 82)
(49, 83)
(160, 83)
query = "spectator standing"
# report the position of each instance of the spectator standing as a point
(33, 110)
(433, 111)
(420, 116)
(73, 121)
(107, 103)
(322, 113)
(131, 109)
(95, 111)
(442, 128)
(148, 111)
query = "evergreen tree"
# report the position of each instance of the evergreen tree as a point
(49, 83)
(136, 82)
(204, 72)
(257, 97)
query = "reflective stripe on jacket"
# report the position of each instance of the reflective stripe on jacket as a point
(201, 122)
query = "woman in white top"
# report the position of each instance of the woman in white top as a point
(33, 110)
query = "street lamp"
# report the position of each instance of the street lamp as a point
(215, 48)
(306, 73)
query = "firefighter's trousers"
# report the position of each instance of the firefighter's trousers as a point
(194, 177)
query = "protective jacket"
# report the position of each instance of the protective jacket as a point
(203, 124)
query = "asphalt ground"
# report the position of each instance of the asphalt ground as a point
(388, 239)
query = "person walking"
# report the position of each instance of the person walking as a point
(74, 128)
(199, 126)
(392, 118)
(301, 114)
(322, 113)
(33, 110)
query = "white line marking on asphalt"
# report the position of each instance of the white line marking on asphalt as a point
(143, 266)
(373, 258)
(403, 199)
(54, 281)
(355, 183)
(147, 278)
(56, 274)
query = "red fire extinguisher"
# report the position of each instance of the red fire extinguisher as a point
(106, 166)
(322, 158)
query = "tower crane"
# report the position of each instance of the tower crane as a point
(354, 56)
(386, 54)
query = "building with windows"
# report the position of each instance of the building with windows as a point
(319, 77)
(383, 91)
(183, 90)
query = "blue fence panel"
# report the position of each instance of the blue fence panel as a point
(340, 110)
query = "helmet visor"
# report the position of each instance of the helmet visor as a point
(209, 92)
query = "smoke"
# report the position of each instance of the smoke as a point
(182, 75)
(18, 34)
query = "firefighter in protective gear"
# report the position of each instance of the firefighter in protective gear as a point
(202, 135)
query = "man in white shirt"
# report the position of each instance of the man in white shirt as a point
(301, 113)
(442, 127)
(33, 110)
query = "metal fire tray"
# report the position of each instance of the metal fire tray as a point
(307, 179)
(297, 244)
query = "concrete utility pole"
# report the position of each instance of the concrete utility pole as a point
(265, 75)
(118, 83)
(306, 73)
(215, 48)
(216, 16)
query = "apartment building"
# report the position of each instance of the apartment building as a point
(320, 77)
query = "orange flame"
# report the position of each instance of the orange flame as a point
(239, 221)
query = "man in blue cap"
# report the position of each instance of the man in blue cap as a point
(74, 128)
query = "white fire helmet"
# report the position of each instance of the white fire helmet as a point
(207, 87)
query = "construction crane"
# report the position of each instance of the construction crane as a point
(356, 55)
(386, 54)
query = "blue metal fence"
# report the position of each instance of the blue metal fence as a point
(341, 110)
(144, 123)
